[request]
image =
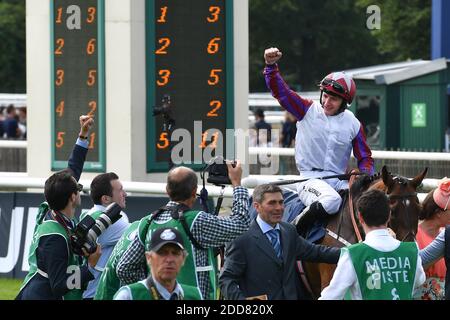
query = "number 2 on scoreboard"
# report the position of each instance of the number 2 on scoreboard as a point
(216, 105)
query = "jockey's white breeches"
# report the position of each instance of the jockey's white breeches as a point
(324, 191)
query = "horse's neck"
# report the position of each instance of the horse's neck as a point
(342, 225)
(378, 185)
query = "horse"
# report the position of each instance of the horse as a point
(344, 229)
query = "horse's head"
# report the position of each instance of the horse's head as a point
(405, 206)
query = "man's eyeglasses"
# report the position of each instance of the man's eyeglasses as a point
(79, 187)
(336, 85)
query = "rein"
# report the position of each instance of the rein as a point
(352, 212)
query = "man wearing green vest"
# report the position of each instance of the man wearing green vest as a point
(109, 283)
(381, 267)
(201, 231)
(55, 271)
(165, 256)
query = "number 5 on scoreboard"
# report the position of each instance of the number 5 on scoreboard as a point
(60, 139)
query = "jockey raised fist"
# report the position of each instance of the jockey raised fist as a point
(272, 55)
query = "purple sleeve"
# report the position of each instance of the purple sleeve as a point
(362, 152)
(287, 98)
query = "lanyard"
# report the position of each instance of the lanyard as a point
(156, 295)
(151, 285)
(62, 222)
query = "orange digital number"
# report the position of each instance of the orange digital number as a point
(165, 42)
(60, 109)
(59, 15)
(93, 106)
(92, 141)
(216, 105)
(59, 77)
(214, 77)
(60, 139)
(91, 78)
(162, 18)
(163, 141)
(164, 74)
(213, 45)
(204, 137)
(90, 48)
(214, 14)
(91, 15)
(59, 46)
(214, 139)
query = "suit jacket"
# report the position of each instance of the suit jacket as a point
(252, 268)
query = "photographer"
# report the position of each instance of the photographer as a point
(201, 231)
(106, 188)
(55, 271)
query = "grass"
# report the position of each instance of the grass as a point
(9, 288)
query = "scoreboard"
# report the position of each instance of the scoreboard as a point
(77, 81)
(189, 58)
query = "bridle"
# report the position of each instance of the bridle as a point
(404, 198)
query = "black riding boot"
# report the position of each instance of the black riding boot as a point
(306, 220)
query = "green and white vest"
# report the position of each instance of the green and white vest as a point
(188, 273)
(139, 291)
(51, 227)
(94, 214)
(385, 275)
(109, 283)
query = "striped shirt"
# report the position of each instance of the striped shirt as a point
(322, 142)
(209, 230)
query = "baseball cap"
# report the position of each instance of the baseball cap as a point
(163, 236)
(441, 194)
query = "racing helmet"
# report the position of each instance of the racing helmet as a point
(339, 84)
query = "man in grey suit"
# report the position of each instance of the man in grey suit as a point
(262, 261)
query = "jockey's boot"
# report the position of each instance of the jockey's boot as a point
(307, 218)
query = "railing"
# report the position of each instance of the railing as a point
(376, 154)
(20, 181)
(14, 180)
(14, 144)
(11, 180)
(407, 164)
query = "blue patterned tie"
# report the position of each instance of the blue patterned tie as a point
(274, 236)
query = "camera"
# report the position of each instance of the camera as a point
(164, 109)
(89, 229)
(218, 171)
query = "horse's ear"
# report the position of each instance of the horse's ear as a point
(418, 179)
(386, 176)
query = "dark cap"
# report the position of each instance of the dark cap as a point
(163, 236)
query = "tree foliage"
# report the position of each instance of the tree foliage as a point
(405, 31)
(12, 46)
(318, 37)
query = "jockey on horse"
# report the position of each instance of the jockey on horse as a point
(326, 134)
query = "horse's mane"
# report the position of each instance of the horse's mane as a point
(363, 182)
